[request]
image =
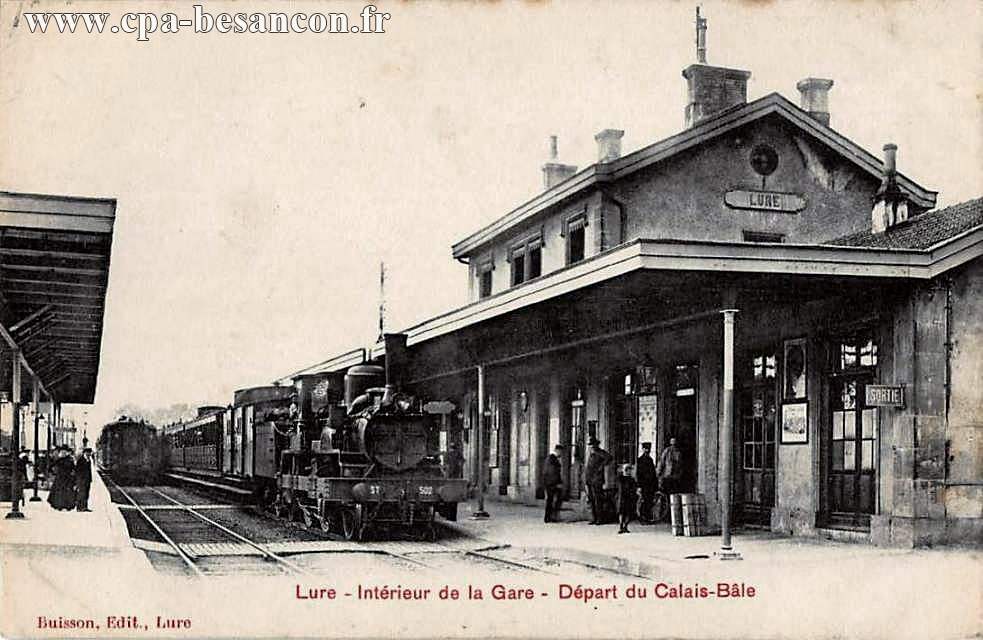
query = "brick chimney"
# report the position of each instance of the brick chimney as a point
(555, 172)
(890, 203)
(609, 144)
(814, 97)
(711, 89)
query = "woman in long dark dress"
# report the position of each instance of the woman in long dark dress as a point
(62, 496)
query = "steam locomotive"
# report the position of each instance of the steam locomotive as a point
(130, 451)
(341, 452)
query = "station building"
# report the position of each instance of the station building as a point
(54, 269)
(758, 258)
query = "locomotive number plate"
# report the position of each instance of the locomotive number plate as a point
(425, 490)
(375, 490)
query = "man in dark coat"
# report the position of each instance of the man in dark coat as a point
(553, 483)
(670, 468)
(647, 480)
(594, 478)
(20, 474)
(83, 480)
(62, 494)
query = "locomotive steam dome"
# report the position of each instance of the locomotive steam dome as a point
(361, 378)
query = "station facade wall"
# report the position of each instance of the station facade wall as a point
(811, 457)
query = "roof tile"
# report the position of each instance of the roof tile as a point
(921, 232)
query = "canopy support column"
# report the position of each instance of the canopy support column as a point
(16, 490)
(480, 512)
(726, 480)
(35, 392)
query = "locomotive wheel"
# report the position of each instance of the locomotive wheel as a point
(331, 520)
(283, 504)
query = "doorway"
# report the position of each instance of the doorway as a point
(624, 437)
(575, 441)
(851, 431)
(754, 486)
(682, 421)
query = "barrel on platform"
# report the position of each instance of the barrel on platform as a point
(694, 511)
(689, 514)
(676, 513)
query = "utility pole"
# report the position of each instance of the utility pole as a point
(382, 300)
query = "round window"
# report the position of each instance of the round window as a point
(764, 160)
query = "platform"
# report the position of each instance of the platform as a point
(101, 528)
(67, 552)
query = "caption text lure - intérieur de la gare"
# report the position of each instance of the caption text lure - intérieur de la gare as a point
(504, 592)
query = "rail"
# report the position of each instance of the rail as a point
(269, 555)
(177, 548)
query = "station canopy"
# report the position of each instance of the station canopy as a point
(54, 268)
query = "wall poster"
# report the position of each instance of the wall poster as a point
(795, 423)
(648, 420)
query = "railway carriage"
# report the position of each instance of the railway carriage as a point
(131, 452)
(193, 445)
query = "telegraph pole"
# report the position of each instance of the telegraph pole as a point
(382, 300)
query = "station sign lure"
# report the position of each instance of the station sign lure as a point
(765, 200)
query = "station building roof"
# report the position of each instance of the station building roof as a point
(923, 231)
(773, 104)
(54, 269)
(922, 248)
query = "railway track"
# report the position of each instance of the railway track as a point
(181, 526)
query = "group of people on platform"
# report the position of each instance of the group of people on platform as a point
(71, 478)
(636, 484)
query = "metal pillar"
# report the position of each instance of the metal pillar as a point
(15, 512)
(51, 431)
(35, 392)
(727, 439)
(480, 513)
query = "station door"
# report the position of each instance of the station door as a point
(754, 486)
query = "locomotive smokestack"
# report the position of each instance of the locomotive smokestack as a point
(396, 356)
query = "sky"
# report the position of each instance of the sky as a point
(261, 179)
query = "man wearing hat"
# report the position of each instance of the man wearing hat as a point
(594, 478)
(553, 483)
(83, 480)
(20, 473)
(670, 468)
(647, 480)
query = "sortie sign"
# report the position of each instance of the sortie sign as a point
(765, 200)
(884, 395)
